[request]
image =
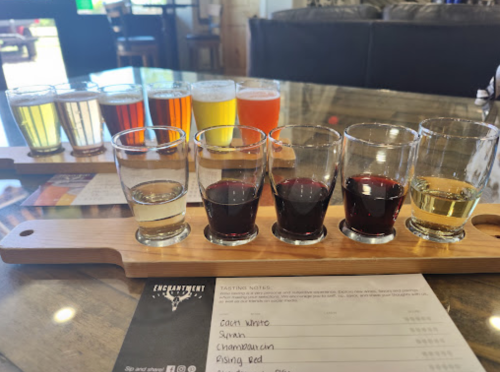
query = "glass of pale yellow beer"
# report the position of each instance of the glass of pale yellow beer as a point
(214, 103)
(35, 113)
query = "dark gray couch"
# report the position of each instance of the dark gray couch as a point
(453, 58)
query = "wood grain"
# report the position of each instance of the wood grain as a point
(112, 241)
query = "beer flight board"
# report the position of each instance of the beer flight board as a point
(19, 158)
(112, 241)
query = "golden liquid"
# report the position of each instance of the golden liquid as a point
(39, 125)
(159, 207)
(210, 114)
(442, 204)
(81, 119)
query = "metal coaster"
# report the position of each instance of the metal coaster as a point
(367, 239)
(164, 242)
(211, 237)
(295, 241)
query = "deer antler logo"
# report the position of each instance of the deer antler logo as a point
(177, 296)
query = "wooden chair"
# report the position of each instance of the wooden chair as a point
(145, 47)
(208, 40)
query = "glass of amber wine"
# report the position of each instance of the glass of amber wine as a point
(170, 105)
(154, 178)
(35, 113)
(122, 108)
(454, 162)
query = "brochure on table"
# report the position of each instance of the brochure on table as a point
(296, 324)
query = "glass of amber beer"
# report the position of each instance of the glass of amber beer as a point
(154, 177)
(78, 108)
(258, 103)
(122, 108)
(170, 105)
(35, 113)
(214, 103)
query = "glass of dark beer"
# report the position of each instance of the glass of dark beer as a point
(122, 108)
(231, 177)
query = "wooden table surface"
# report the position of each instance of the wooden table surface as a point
(74, 317)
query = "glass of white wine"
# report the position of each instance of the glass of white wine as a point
(154, 177)
(35, 113)
(454, 162)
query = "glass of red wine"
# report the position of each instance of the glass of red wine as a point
(302, 192)
(231, 174)
(377, 163)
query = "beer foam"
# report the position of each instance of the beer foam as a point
(255, 94)
(77, 96)
(213, 90)
(30, 100)
(120, 99)
(167, 93)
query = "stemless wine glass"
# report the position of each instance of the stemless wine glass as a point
(154, 178)
(122, 108)
(214, 103)
(35, 113)
(170, 104)
(231, 178)
(454, 162)
(377, 164)
(78, 108)
(302, 193)
(258, 103)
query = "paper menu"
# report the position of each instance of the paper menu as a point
(351, 324)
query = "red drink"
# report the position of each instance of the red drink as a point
(172, 109)
(301, 205)
(121, 112)
(231, 208)
(372, 203)
(258, 108)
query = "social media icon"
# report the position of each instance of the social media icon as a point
(170, 369)
(181, 369)
(191, 369)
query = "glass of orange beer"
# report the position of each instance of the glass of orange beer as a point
(258, 104)
(122, 107)
(170, 105)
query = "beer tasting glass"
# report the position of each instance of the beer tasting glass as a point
(154, 178)
(258, 104)
(454, 162)
(231, 178)
(122, 108)
(302, 192)
(78, 108)
(377, 165)
(35, 113)
(214, 103)
(170, 104)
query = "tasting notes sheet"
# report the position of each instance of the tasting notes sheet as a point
(380, 323)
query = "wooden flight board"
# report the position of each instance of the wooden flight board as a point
(113, 241)
(18, 158)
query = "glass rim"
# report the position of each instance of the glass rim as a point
(177, 142)
(226, 148)
(224, 83)
(321, 127)
(67, 87)
(128, 87)
(487, 137)
(31, 89)
(274, 82)
(159, 84)
(416, 136)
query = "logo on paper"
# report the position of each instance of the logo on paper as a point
(170, 369)
(181, 369)
(191, 369)
(177, 294)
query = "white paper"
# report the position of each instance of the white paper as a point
(105, 189)
(342, 324)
